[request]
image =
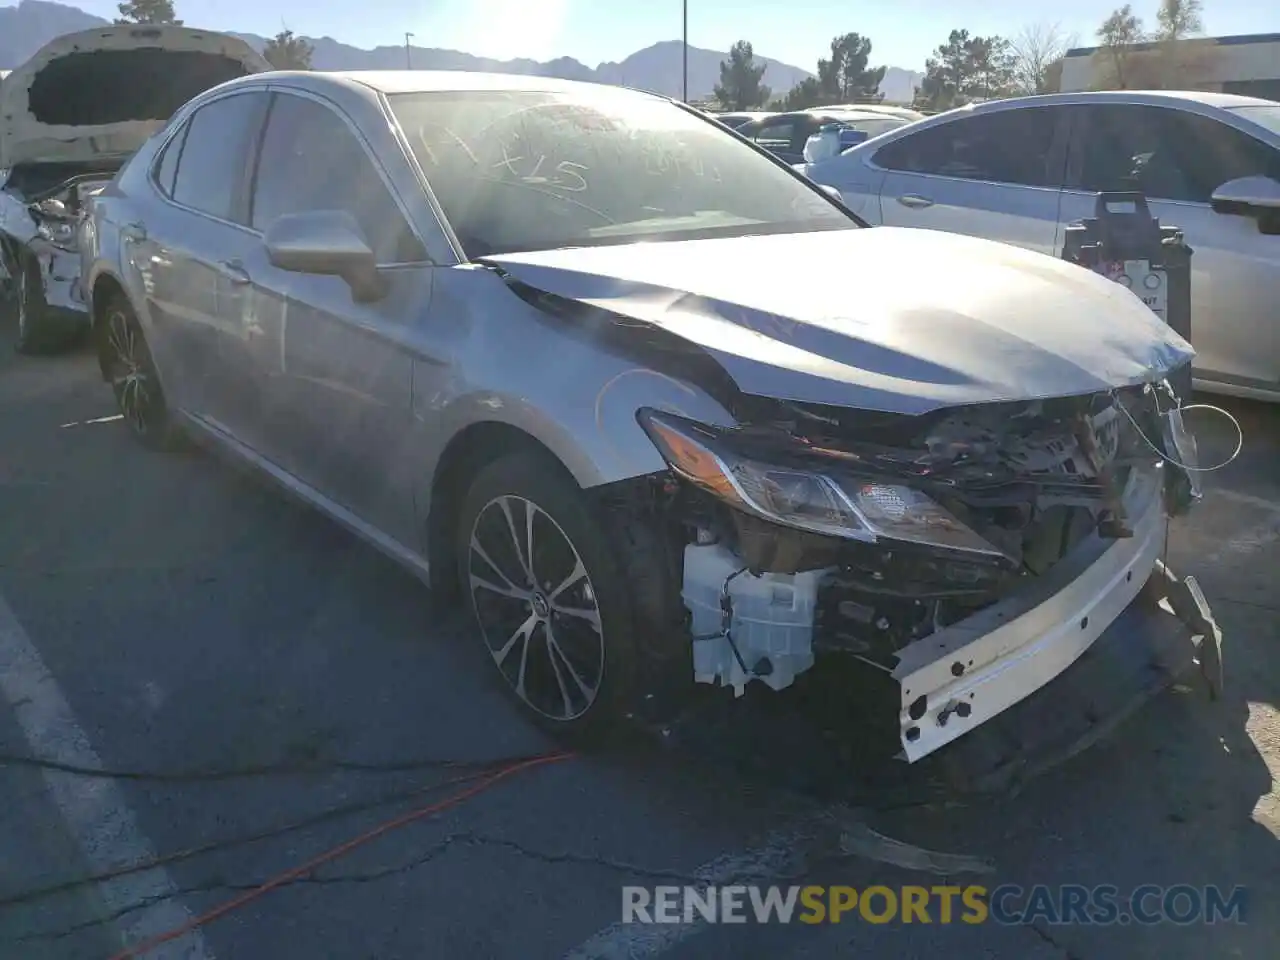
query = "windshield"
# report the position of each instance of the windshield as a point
(521, 170)
(874, 126)
(1263, 115)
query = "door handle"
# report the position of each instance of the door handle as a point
(915, 201)
(234, 271)
(133, 231)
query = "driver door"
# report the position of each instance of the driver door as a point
(1178, 159)
(336, 374)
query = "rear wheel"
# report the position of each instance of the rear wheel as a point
(547, 596)
(126, 360)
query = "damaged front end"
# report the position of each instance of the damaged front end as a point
(969, 555)
(40, 210)
(71, 116)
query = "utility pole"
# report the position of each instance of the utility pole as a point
(685, 51)
(408, 57)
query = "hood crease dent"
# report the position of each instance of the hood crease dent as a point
(884, 319)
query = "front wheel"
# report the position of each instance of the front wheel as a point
(39, 330)
(547, 595)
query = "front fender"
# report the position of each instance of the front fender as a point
(589, 425)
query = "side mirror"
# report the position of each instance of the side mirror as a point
(1247, 196)
(832, 192)
(326, 242)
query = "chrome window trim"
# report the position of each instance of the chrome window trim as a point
(186, 122)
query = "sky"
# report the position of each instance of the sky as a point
(903, 32)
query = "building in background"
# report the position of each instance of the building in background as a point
(1248, 64)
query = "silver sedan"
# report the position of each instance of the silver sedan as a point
(570, 351)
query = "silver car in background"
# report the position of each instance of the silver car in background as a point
(566, 349)
(1021, 170)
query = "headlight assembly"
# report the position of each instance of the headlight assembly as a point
(835, 504)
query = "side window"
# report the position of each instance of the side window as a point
(777, 136)
(1130, 147)
(167, 166)
(1008, 146)
(1167, 154)
(215, 154)
(311, 160)
(1210, 153)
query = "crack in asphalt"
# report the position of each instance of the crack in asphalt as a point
(814, 843)
(469, 838)
(1047, 937)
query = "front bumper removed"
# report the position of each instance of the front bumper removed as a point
(1159, 638)
(958, 678)
(1039, 675)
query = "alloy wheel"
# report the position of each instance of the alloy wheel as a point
(132, 375)
(536, 607)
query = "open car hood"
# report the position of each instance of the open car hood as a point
(888, 319)
(101, 93)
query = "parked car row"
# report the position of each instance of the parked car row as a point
(786, 134)
(1019, 171)
(557, 348)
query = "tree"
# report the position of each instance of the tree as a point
(148, 11)
(1179, 57)
(1038, 52)
(284, 51)
(845, 77)
(964, 69)
(1118, 36)
(1170, 57)
(991, 68)
(740, 87)
(1178, 19)
(805, 94)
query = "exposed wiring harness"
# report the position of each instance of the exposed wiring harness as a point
(1178, 409)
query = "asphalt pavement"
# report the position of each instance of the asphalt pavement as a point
(166, 617)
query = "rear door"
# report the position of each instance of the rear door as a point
(182, 245)
(337, 375)
(1177, 159)
(996, 175)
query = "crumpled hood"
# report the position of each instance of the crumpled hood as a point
(888, 319)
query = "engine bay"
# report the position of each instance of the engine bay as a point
(1032, 480)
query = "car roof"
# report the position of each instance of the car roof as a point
(433, 81)
(1195, 101)
(1155, 97)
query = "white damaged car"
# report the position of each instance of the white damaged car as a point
(69, 119)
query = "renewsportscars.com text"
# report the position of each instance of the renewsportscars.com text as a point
(1006, 904)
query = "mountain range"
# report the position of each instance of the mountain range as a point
(33, 23)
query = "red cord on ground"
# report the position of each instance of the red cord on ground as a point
(281, 879)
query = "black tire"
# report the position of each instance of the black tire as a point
(605, 661)
(38, 330)
(127, 364)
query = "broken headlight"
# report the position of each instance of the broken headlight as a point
(834, 504)
(55, 223)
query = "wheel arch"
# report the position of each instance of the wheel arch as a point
(468, 452)
(101, 290)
